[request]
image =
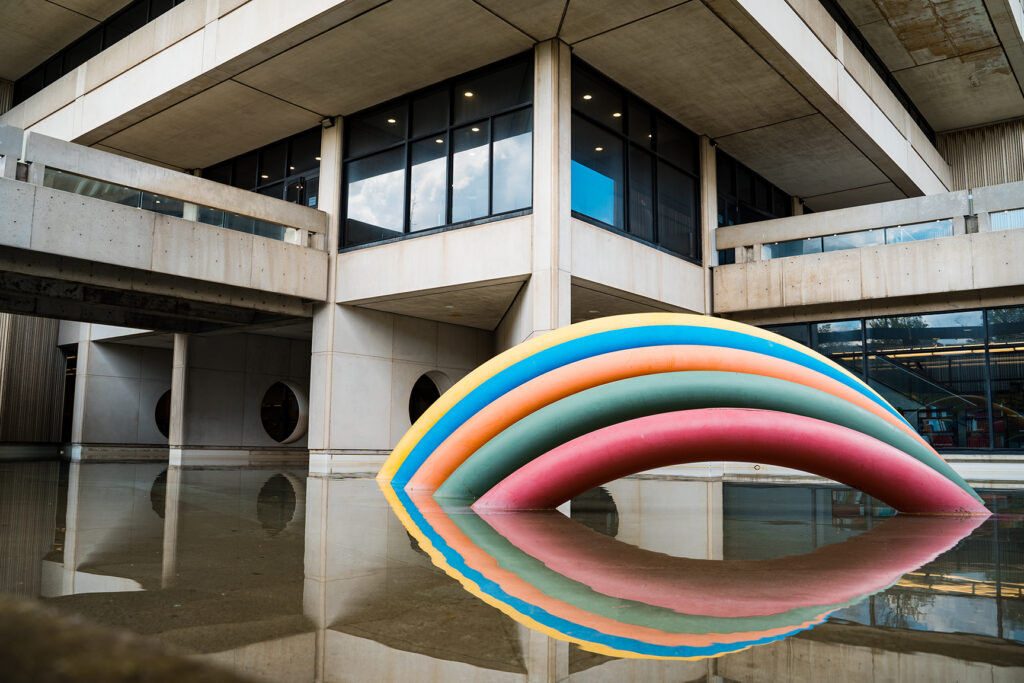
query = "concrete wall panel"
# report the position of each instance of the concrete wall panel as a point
(204, 252)
(18, 202)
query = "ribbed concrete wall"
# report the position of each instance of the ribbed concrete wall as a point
(31, 379)
(989, 155)
(6, 95)
(28, 506)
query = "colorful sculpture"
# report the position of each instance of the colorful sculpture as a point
(557, 577)
(598, 400)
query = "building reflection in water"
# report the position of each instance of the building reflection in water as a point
(287, 577)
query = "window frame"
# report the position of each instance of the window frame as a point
(629, 100)
(409, 140)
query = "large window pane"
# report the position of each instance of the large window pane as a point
(513, 161)
(430, 113)
(677, 144)
(429, 183)
(1006, 365)
(597, 175)
(470, 172)
(811, 245)
(597, 99)
(245, 172)
(641, 124)
(932, 368)
(272, 163)
(1007, 220)
(918, 231)
(853, 240)
(641, 194)
(1006, 325)
(375, 197)
(841, 341)
(493, 91)
(304, 152)
(160, 204)
(799, 333)
(677, 212)
(375, 130)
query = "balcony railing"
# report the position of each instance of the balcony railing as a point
(90, 172)
(985, 209)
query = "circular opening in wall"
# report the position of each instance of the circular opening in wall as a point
(596, 509)
(162, 414)
(424, 393)
(279, 412)
(275, 504)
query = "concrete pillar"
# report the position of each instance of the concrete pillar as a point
(709, 215)
(544, 303)
(546, 658)
(81, 386)
(172, 507)
(323, 348)
(179, 381)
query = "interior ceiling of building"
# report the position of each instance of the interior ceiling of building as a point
(699, 71)
(957, 59)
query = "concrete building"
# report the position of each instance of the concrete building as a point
(272, 229)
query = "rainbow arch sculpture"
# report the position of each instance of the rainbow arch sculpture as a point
(585, 404)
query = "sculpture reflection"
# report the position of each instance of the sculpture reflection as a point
(567, 581)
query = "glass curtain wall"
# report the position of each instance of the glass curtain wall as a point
(459, 152)
(634, 170)
(958, 378)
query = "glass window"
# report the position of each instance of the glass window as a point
(220, 173)
(311, 196)
(513, 161)
(493, 91)
(676, 144)
(276, 191)
(469, 160)
(853, 240)
(811, 245)
(471, 164)
(841, 341)
(245, 172)
(375, 130)
(918, 231)
(641, 124)
(164, 205)
(375, 197)
(598, 99)
(747, 196)
(428, 203)
(1007, 220)
(798, 333)
(304, 151)
(83, 49)
(1006, 325)
(677, 212)
(597, 173)
(430, 112)
(272, 163)
(641, 194)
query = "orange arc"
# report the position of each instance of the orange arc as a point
(610, 367)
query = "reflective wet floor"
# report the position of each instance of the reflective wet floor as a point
(278, 576)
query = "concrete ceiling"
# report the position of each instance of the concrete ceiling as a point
(589, 302)
(32, 31)
(958, 60)
(680, 56)
(481, 306)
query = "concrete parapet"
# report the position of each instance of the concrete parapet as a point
(93, 163)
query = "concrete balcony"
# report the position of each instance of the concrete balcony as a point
(85, 234)
(978, 263)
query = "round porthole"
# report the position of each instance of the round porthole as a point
(275, 504)
(424, 393)
(162, 414)
(284, 412)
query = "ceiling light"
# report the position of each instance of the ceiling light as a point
(264, 175)
(467, 94)
(475, 129)
(291, 168)
(649, 135)
(439, 140)
(593, 310)
(616, 115)
(392, 121)
(318, 158)
(588, 97)
(599, 149)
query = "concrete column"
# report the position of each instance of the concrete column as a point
(323, 348)
(179, 381)
(81, 387)
(171, 509)
(544, 302)
(546, 659)
(709, 216)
